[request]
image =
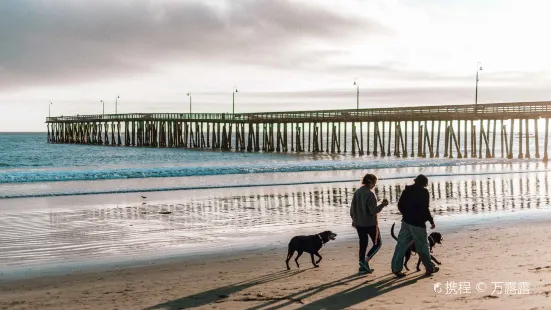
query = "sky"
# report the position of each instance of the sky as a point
(280, 55)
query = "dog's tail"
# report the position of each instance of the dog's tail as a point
(392, 232)
(290, 251)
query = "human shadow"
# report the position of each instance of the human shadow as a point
(360, 292)
(299, 296)
(220, 293)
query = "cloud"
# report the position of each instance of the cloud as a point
(45, 43)
(315, 99)
(399, 72)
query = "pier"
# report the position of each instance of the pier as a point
(452, 131)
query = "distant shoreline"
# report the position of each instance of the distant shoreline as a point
(22, 132)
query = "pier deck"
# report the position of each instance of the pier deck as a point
(312, 130)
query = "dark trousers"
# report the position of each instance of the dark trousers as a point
(375, 235)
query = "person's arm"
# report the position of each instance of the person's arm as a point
(402, 202)
(372, 206)
(352, 207)
(426, 202)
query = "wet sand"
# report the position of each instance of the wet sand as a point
(45, 236)
(504, 251)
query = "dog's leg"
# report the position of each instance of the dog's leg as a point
(296, 258)
(419, 263)
(408, 255)
(318, 255)
(436, 261)
(289, 255)
(313, 263)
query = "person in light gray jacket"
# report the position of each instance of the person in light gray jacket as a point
(364, 211)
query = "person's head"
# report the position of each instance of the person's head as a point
(369, 180)
(421, 180)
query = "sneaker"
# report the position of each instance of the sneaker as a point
(364, 268)
(399, 274)
(430, 272)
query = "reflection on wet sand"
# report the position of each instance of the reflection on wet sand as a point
(447, 196)
(192, 224)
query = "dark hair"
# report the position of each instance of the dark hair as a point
(421, 180)
(369, 178)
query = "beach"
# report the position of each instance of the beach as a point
(507, 250)
(178, 229)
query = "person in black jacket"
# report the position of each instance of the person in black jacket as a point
(414, 206)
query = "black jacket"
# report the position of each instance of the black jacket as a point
(414, 206)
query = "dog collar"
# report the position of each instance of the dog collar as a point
(322, 242)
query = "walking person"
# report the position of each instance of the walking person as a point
(414, 206)
(364, 211)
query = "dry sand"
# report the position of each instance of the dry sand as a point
(501, 252)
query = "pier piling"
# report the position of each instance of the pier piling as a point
(320, 131)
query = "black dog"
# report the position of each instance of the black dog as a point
(434, 238)
(309, 244)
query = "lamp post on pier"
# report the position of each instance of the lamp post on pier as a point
(233, 100)
(189, 95)
(103, 104)
(357, 83)
(49, 110)
(478, 68)
(116, 104)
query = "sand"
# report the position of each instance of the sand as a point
(500, 252)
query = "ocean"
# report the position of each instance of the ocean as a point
(75, 206)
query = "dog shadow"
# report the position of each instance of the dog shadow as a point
(220, 293)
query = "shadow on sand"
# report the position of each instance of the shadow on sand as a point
(207, 297)
(349, 296)
(361, 293)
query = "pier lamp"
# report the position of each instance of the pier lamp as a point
(189, 95)
(357, 93)
(116, 103)
(103, 104)
(478, 69)
(233, 100)
(49, 110)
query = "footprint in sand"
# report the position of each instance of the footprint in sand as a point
(537, 269)
(490, 297)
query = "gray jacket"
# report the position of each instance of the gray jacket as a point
(364, 208)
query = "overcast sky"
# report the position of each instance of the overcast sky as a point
(281, 54)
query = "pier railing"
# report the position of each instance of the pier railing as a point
(446, 112)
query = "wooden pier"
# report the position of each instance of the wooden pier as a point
(459, 131)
